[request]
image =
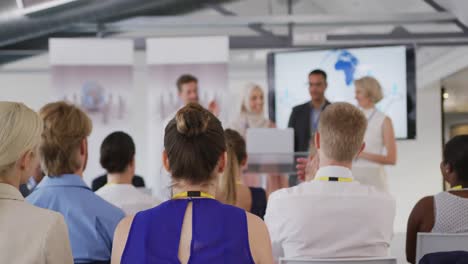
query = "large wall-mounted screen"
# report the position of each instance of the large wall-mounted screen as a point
(392, 66)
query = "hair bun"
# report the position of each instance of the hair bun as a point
(192, 120)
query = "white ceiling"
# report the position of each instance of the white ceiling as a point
(307, 7)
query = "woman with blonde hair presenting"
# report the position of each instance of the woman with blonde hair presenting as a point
(380, 141)
(252, 115)
(29, 234)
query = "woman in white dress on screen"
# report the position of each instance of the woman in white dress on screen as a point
(380, 141)
(252, 115)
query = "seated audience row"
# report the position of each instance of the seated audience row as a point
(331, 215)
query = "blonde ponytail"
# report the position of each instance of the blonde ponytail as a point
(236, 154)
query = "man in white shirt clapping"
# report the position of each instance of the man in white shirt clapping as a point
(332, 215)
(118, 158)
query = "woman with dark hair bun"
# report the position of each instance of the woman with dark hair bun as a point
(193, 227)
(445, 212)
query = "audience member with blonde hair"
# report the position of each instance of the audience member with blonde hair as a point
(231, 190)
(193, 227)
(380, 137)
(64, 152)
(332, 215)
(252, 115)
(28, 234)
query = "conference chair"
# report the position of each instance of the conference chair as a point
(436, 242)
(340, 261)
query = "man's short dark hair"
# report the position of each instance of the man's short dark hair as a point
(319, 72)
(117, 151)
(183, 79)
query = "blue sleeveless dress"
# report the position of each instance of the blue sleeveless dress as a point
(219, 234)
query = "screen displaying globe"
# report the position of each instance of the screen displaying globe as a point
(289, 71)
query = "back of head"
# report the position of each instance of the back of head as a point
(194, 142)
(117, 152)
(342, 127)
(65, 126)
(456, 155)
(371, 87)
(183, 79)
(20, 132)
(236, 154)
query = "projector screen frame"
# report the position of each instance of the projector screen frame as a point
(410, 81)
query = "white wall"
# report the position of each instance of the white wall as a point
(417, 171)
(453, 119)
(415, 175)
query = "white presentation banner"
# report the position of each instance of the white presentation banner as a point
(96, 75)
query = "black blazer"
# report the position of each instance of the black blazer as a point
(100, 181)
(300, 121)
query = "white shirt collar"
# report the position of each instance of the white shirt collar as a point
(334, 171)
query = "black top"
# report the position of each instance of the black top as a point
(300, 121)
(450, 257)
(23, 188)
(259, 201)
(100, 181)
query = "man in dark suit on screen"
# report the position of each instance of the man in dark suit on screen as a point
(304, 118)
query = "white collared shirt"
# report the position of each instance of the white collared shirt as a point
(127, 197)
(327, 219)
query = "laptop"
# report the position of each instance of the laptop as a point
(270, 145)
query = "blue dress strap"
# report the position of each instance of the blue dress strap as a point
(155, 234)
(219, 234)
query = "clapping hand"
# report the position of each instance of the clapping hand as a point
(307, 167)
(213, 108)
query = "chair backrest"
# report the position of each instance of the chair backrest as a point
(436, 242)
(340, 261)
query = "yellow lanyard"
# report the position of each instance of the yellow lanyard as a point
(458, 188)
(335, 179)
(191, 194)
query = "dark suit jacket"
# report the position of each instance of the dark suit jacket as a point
(102, 180)
(300, 121)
